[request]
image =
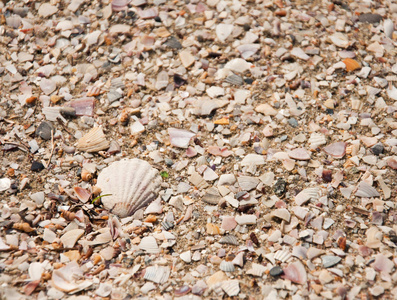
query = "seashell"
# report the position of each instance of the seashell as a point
(374, 238)
(229, 240)
(336, 150)
(65, 278)
(180, 138)
(157, 274)
(351, 64)
(231, 287)
(14, 21)
(67, 215)
(5, 184)
(282, 214)
(130, 186)
(388, 28)
(82, 194)
(86, 175)
(70, 238)
(226, 266)
(167, 225)
(295, 272)
(186, 256)
(149, 244)
(119, 5)
(256, 270)
(306, 195)
(93, 141)
(183, 290)
(366, 191)
(205, 107)
(25, 227)
(283, 255)
(234, 79)
(383, 264)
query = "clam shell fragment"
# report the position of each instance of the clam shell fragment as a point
(129, 185)
(93, 141)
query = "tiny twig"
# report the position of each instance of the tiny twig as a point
(52, 148)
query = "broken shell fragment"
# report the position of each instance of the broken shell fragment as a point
(93, 141)
(128, 186)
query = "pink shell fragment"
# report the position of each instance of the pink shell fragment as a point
(383, 264)
(83, 106)
(299, 154)
(392, 163)
(295, 272)
(82, 194)
(214, 150)
(191, 152)
(336, 150)
(118, 5)
(148, 13)
(179, 137)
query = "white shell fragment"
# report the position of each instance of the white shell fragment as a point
(157, 274)
(128, 185)
(179, 137)
(70, 238)
(5, 184)
(149, 244)
(93, 141)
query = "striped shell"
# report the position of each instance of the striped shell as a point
(129, 185)
(93, 141)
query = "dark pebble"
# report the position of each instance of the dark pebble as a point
(37, 166)
(377, 149)
(279, 187)
(276, 271)
(44, 130)
(370, 18)
(246, 27)
(173, 43)
(68, 112)
(169, 162)
(248, 80)
(329, 111)
(157, 19)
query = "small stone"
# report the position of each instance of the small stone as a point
(370, 18)
(276, 271)
(44, 130)
(173, 43)
(293, 122)
(37, 166)
(280, 187)
(377, 149)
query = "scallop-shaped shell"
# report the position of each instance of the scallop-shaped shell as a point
(283, 255)
(129, 185)
(93, 141)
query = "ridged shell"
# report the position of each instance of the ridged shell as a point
(283, 255)
(130, 184)
(226, 266)
(93, 141)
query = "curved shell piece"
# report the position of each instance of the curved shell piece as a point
(93, 141)
(129, 185)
